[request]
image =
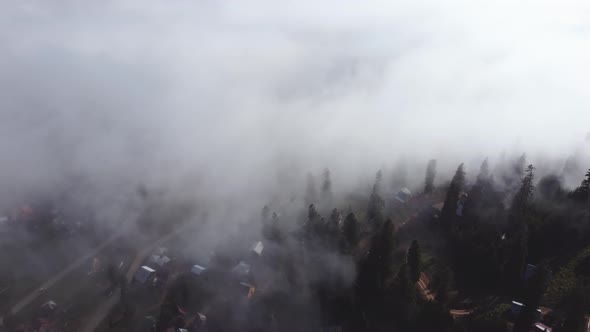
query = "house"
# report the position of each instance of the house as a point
(539, 327)
(197, 270)
(516, 308)
(257, 248)
(403, 195)
(529, 271)
(199, 323)
(48, 308)
(248, 289)
(160, 260)
(241, 269)
(144, 274)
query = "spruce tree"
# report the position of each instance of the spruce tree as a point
(517, 247)
(312, 228)
(376, 267)
(275, 233)
(326, 188)
(450, 206)
(430, 175)
(265, 214)
(376, 203)
(484, 173)
(350, 231)
(521, 201)
(311, 193)
(400, 176)
(413, 260)
(582, 193)
(533, 294)
(575, 320)
(333, 229)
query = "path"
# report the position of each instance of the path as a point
(423, 283)
(25, 301)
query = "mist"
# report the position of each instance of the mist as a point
(232, 103)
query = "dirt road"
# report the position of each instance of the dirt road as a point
(25, 301)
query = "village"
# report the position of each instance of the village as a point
(168, 283)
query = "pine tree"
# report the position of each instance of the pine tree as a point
(406, 293)
(376, 203)
(311, 193)
(533, 294)
(313, 226)
(413, 261)
(430, 175)
(326, 188)
(582, 193)
(333, 229)
(521, 201)
(400, 176)
(450, 207)
(441, 283)
(275, 233)
(350, 231)
(376, 267)
(264, 214)
(575, 320)
(517, 246)
(484, 173)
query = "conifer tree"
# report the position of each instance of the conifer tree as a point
(533, 294)
(521, 201)
(400, 176)
(519, 233)
(413, 261)
(311, 193)
(350, 231)
(430, 175)
(575, 320)
(333, 229)
(582, 193)
(484, 173)
(376, 202)
(376, 267)
(450, 206)
(265, 214)
(275, 233)
(313, 226)
(326, 188)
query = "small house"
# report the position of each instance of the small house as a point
(144, 274)
(197, 270)
(241, 269)
(403, 195)
(199, 323)
(160, 260)
(257, 248)
(516, 308)
(248, 289)
(540, 327)
(529, 271)
(47, 309)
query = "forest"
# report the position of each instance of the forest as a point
(457, 256)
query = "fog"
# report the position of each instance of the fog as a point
(233, 102)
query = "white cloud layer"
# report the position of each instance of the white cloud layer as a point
(229, 98)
